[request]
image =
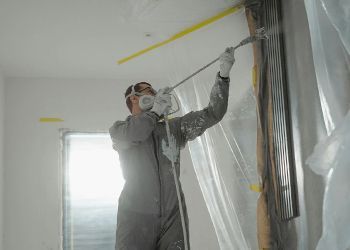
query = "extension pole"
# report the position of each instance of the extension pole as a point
(260, 34)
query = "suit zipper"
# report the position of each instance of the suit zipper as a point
(160, 179)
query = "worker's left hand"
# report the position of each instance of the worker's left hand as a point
(227, 59)
(162, 102)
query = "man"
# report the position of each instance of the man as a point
(148, 212)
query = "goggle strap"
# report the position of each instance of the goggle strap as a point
(133, 92)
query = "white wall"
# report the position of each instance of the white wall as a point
(32, 175)
(2, 104)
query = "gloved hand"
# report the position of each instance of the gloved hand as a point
(227, 59)
(162, 102)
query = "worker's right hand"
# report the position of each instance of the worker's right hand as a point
(162, 102)
(227, 59)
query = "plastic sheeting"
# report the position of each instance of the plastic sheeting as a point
(331, 159)
(225, 164)
(330, 41)
(329, 23)
(339, 15)
(224, 157)
(224, 170)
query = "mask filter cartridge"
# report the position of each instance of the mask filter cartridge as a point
(146, 102)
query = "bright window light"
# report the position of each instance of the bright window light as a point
(93, 182)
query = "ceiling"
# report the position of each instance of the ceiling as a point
(84, 39)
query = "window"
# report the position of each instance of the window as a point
(92, 183)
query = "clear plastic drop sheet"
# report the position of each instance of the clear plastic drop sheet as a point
(329, 32)
(225, 165)
(329, 23)
(331, 159)
(338, 12)
(224, 157)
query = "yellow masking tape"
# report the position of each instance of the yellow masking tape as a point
(255, 187)
(50, 119)
(184, 32)
(254, 76)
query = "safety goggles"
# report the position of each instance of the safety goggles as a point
(145, 91)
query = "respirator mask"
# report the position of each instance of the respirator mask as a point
(146, 101)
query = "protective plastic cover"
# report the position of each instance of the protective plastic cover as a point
(331, 159)
(224, 160)
(224, 157)
(329, 23)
